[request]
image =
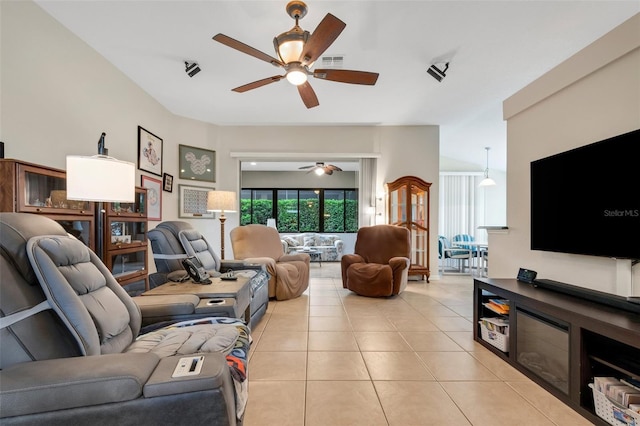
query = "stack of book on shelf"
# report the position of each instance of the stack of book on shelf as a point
(499, 306)
(617, 400)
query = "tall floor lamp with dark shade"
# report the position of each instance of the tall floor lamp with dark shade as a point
(100, 178)
(221, 201)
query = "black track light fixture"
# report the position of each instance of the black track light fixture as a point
(191, 68)
(437, 73)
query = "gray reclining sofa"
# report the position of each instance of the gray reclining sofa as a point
(172, 241)
(71, 352)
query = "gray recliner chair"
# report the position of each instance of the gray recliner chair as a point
(71, 352)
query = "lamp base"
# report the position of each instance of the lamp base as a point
(222, 219)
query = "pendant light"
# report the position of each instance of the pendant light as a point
(487, 181)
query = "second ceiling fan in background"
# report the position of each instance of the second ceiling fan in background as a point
(298, 50)
(320, 168)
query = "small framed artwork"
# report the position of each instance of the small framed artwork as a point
(154, 197)
(167, 182)
(197, 163)
(149, 152)
(193, 202)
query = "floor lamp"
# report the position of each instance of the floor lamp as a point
(221, 201)
(100, 178)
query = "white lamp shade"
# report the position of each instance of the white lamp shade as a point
(487, 182)
(221, 201)
(100, 178)
(271, 223)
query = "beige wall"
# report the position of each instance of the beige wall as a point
(57, 95)
(591, 96)
(302, 179)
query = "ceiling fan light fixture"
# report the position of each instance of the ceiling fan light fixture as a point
(296, 77)
(319, 171)
(289, 45)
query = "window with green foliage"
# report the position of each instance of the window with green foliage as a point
(256, 206)
(302, 210)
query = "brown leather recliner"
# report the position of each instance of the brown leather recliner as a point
(289, 273)
(380, 265)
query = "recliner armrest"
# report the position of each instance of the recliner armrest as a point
(239, 265)
(162, 306)
(58, 384)
(214, 374)
(302, 257)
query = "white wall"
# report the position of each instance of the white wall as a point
(58, 94)
(592, 96)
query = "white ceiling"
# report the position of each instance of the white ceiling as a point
(495, 48)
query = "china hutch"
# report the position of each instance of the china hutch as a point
(408, 206)
(125, 239)
(32, 188)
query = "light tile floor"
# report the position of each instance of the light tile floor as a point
(332, 358)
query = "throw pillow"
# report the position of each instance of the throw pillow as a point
(327, 240)
(292, 242)
(309, 241)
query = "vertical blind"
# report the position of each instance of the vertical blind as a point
(461, 206)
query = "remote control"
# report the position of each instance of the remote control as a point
(188, 366)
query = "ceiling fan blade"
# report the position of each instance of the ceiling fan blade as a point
(308, 95)
(328, 172)
(347, 76)
(259, 83)
(305, 167)
(244, 48)
(325, 33)
(334, 168)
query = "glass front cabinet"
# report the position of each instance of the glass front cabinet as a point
(31, 188)
(125, 239)
(408, 206)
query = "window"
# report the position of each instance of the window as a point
(287, 212)
(256, 206)
(302, 210)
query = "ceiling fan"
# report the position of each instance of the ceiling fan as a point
(320, 168)
(297, 51)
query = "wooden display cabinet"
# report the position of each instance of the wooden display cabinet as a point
(31, 188)
(408, 206)
(125, 239)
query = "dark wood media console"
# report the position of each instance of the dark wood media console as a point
(585, 338)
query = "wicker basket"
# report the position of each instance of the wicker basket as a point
(614, 414)
(494, 338)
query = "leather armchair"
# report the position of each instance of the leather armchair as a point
(380, 265)
(289, 273)
(71, 351)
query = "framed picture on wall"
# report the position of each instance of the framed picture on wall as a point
(167, 182)
(193, 202)
(149, 152)
(197, 163)
(154, 197)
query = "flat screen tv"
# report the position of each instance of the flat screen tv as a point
(587, 200)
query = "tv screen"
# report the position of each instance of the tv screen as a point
(587, 200)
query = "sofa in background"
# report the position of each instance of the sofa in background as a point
(331, 247)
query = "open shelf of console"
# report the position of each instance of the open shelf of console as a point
(562, 341)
